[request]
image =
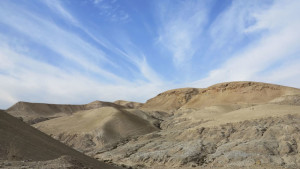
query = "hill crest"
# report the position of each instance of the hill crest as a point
(218, 94)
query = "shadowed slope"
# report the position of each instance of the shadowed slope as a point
(36, 112)
(20, 141)
(95, 128)
(227, 125)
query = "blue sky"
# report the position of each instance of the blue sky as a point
(65, 51)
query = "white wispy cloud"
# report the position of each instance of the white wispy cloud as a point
(26, 78)
(272, 57)
(139, 60)
(228, 27)
(111, 11)
(57, 7)
(287, 74)
(31, 80)
(97, 1)
(279, 44)
(181, 28)
(65, 43)
(131, 54)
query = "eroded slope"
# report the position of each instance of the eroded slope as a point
(19, 141)
(90, 129)
(220, 94)
(227, 125)
(263, 143)
(36, 112)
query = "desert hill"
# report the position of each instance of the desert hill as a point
(219, 94)
(172, 99)
(90, 129)
(239, 93)
(36, 112)
(97, 104)
(270, 142)
(129, 104)
(227, 125)
(19, 141)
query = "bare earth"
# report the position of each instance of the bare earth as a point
(22, 146)
(227, 125)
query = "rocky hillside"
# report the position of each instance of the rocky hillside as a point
(262, 143)
(227, 125)
(22, 145)
(219, 94)
(171, 100)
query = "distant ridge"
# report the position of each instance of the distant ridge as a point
(222, 93)
(129, 104)
(36, 112)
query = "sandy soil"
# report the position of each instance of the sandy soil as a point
(90, 129)
(21, 142)
(33, 113)
(227, 125)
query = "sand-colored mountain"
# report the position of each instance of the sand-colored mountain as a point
(239, 93)
(129, 104)
(23, 146)
(227, 125)
(171, 99)
(91, 129)
(220, 94)
(36, 112)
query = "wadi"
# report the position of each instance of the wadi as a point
(239, 124)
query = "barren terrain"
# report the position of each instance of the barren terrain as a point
(22, 146)
(227, 125)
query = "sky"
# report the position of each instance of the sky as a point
(75, 52)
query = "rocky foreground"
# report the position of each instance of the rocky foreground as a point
(268, 141)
